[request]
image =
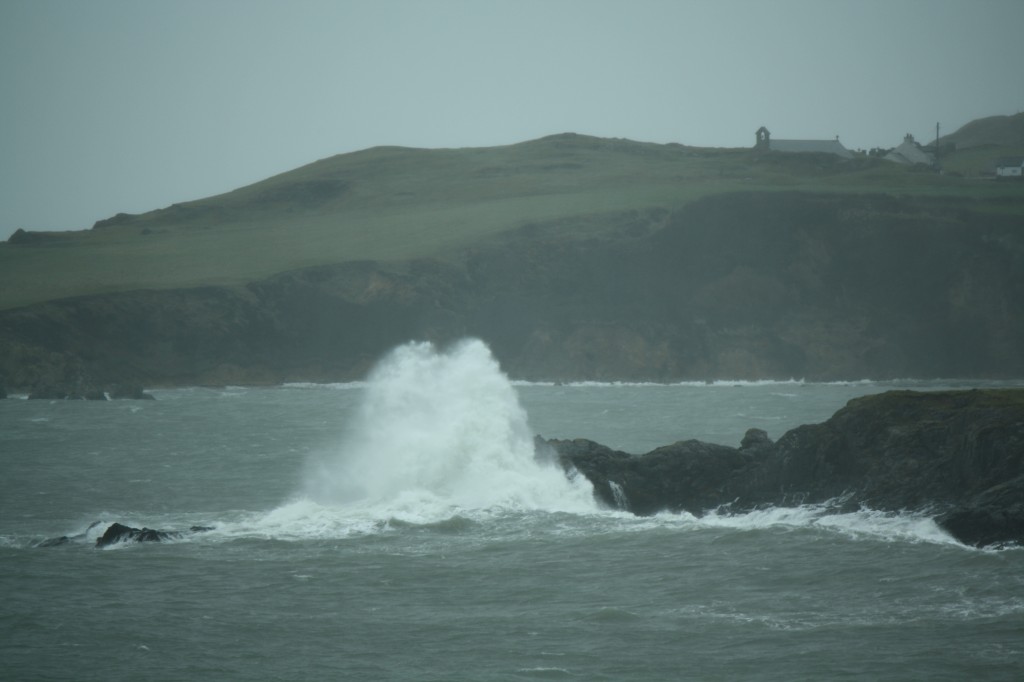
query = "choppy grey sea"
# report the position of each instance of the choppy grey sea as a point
(402, 529)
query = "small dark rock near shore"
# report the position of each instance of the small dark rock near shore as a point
(117, 532)
(958, 455)
(120, 533)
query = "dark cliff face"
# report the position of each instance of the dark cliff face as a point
(771, 285)
(958, 455)
(805, 285)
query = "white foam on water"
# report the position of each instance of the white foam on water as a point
(769, 517)
(439, 433)
(902, 526)
(301, 519)
(715, 383)
(546, 672)
(862, 524)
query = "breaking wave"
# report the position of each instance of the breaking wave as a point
(441, 429)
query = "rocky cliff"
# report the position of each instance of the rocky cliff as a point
(759, 285)
(957, 455)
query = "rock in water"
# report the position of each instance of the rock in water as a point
(993, 518)
(118, 532)
(685, 476)
(958, 452)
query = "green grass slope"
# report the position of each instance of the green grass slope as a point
(978, 145)
(392, 204)
(1001, 131)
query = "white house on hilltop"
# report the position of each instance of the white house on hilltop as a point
(1010, 167)
(910, 153)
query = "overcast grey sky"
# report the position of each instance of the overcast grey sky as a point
(131, 105)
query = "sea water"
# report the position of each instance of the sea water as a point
(403, 528)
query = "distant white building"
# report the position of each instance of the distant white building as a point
(766, 143)
(910, 153)
(1010, 167)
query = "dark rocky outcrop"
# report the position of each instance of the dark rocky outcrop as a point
(993, 517)
(117, 532)
(898, 450)
(686, 476)
(958, 455)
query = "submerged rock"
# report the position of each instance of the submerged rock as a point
(54, 542)
(956, 454)
(65, 539)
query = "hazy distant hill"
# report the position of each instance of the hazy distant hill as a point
(386, 203)
(390, 204)
(1006, 131)
(574, 257)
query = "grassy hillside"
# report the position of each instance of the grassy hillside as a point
(746, 285)
(1001, 131)
(980, 160)
(391, 204)
(979, 144)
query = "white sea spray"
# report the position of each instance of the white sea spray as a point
(440, 430)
